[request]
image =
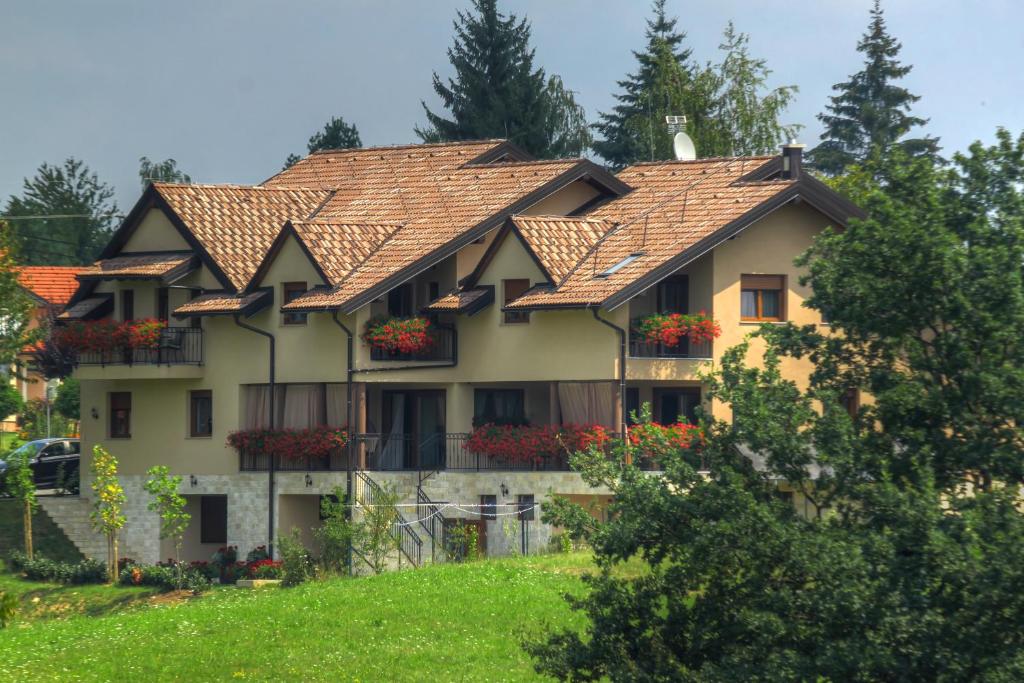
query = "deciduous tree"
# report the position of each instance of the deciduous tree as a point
(170, 505)
(107, 514)
(165, 171)
(336, 135)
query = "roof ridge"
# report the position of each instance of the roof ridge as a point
(236, 186)
(407, 145)
(558, 217)
(667, 162)
(529, 162)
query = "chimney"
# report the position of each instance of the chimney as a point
(792, 160)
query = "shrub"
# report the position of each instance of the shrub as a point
(258, 553)
(8, 608)
(296, 564)
(266, 569)
(335, 534)
(461, 542)
(164, 577)
(43, 569)
(16, 560)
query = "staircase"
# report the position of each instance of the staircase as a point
(71, 514)
(408, 541)
(433, 521)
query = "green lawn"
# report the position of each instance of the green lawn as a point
(42, 601)
(446, 622)
(47, 538)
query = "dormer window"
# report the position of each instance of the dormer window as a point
(621, 264)
(290, 291)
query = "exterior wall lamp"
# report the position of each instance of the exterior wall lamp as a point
(309, 480)
(504, 490)
(192, 481)
(95, 413)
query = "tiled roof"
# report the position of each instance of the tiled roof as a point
(435, 207)
(560, 242)
(222, 304)
(459, 302)
(52, 284)
(338, 247)
(236, 225)
(674, 205)
(84, 307)
(138, 266)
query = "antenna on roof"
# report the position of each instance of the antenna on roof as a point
(682, 146)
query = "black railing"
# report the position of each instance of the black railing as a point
(408, 541)
(432, 520)
(259, 462)
(641, 348)
(176, 346)
(442, 348)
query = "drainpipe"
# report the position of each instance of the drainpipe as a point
(349, 418)
(623, 426)
(273, 413)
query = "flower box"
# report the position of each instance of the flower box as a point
(534, 444)
(398, 335)
(107, 336)
(291, 444)
(670, 328)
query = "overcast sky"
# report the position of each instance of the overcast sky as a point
(230, 87)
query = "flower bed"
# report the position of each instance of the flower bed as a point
(533, 444)
(291, 444)
(105, 336)
(670, 328)
(398, 335)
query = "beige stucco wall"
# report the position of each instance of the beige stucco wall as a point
(156, 233)
(565, 201)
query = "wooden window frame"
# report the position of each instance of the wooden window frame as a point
(193, 396)
(112, 432)
(758, 284)
(206, 533)
(295, 289)
(514, 317)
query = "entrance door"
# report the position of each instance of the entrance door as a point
(674, 297)
(673, 405)
(414, 429)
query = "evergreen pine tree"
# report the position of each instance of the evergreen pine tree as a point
(869, 112)
(667, 82)
(336, 135)
(497, 92)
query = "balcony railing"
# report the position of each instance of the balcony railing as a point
(411, 452)
(640, 348)
(177, 346)
(443, 348)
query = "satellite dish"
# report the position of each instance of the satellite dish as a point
(683, 147)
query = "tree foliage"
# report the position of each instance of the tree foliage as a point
(10, 399)
(869, 111)
(21, 485)
(729, 108)
(16, 306)
(68, 401)
(165, 171)
(170, 505)
(912, 569)
(336, 135)
(65, 215)
(107, 515)
(497, 92)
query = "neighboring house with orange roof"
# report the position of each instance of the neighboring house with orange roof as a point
(531, 273)
(51, 288)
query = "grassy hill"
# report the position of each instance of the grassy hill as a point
(446, 622)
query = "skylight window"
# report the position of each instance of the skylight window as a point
(621, 264)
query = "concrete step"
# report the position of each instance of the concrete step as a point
(71, 514)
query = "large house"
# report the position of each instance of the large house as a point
(530, 273)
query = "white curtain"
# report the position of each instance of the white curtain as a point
(586, 403)
(256, 405)
(303, 406)
(336, 406)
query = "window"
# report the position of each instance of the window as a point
(513, 289)
(120, 414)
(162, 303)
(195, 322)
(499, 406)
(488, 507)
(674, 405)
(850, 401)
(433, 291)
(201, 413)
(674, 294)
(400, 304)
(213, 519)
(128, 304)
(290, 292)
(621, 264)
(632, 404)
(761, 297)
(525, 502)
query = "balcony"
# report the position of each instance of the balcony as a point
(178, 354)
(442, 349)
(640, 348)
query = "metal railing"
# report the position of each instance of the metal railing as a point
(260, 462)
(408, 541)
(432, 520)
(444, 343)
(640, 348)
(176, 346)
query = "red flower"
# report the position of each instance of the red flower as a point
(398, 335)
(291, 444)
(532, 444)
(669, 328)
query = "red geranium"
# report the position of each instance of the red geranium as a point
(398, 335)
(655, 441)
(291, 444)
(532, 444)
(106, 336)
(669, 328)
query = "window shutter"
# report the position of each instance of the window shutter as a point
(762, 281)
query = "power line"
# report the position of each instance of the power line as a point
(62, 215)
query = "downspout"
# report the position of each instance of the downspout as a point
(273, 413)
(349, 418)
(624, 424)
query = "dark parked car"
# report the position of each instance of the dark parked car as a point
(46, 457)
